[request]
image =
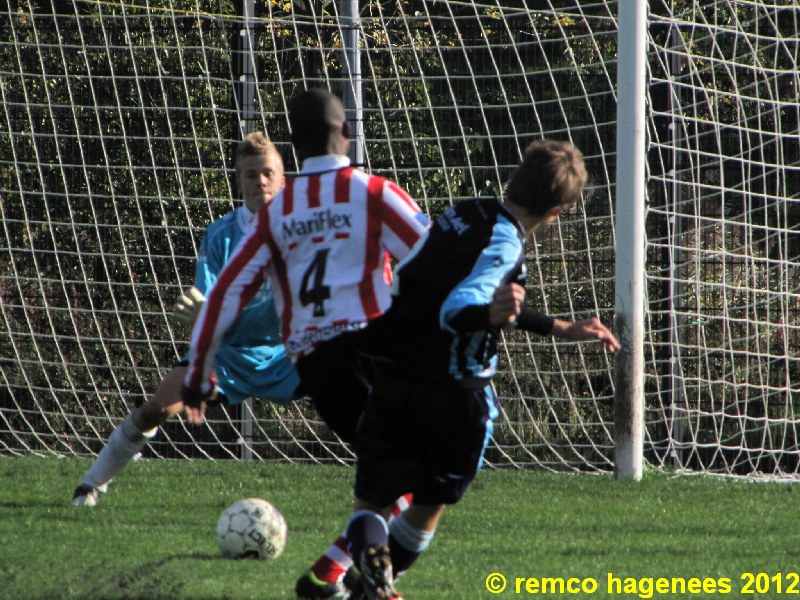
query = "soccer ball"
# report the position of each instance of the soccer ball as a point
(251, 528)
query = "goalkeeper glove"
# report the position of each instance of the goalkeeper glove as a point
(188, 306)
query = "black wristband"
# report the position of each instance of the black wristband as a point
(192, 397)
(195, 398)
(534, 321)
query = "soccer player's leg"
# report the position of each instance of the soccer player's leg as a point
(388, 464)
(325, 580)
(453, 436)
(368, 538)
(411, 533)
(130, 436)
(331, 569)
(340, 405)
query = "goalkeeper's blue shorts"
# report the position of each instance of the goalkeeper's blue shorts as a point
(254, 372)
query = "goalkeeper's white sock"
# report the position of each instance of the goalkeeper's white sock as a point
(122, 445)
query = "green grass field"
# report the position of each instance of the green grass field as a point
(152, 535)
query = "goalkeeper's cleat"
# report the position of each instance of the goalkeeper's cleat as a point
(85, 495)
(308, 587)
(375, 567)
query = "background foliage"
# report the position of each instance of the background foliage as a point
(116, 145)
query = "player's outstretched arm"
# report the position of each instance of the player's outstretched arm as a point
(586, 329)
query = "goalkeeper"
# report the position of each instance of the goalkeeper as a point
(250, 361)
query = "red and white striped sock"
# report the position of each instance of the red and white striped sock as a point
(331, 566)
(402, 503)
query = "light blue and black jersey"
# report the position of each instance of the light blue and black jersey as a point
(438, 325)
(251, 360)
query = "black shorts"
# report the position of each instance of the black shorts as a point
(416, 438)
(336, 378)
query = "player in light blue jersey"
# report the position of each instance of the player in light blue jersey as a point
(250, 361)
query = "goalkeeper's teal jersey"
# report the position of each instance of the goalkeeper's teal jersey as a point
(251, 359)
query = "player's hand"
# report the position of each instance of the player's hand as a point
(587, 329)
(195, 415)
(194, 403)
(188, 306)
(506, 304)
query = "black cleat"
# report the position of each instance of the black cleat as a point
(375, 567)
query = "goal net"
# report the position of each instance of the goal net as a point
(117, 131)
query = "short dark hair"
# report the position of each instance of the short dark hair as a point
(313, 115)
(551, 174)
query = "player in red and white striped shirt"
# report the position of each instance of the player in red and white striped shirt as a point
(326, 241)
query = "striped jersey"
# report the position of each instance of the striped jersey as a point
(258, 323)
(326, 241)
(251, 359)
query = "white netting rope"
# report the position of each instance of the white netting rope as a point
(119, 121)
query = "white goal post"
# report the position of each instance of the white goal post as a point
(117, 130)
(630, 236)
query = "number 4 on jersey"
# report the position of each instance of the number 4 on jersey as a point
(318, 292)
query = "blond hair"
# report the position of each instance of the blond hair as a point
(256, 144)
